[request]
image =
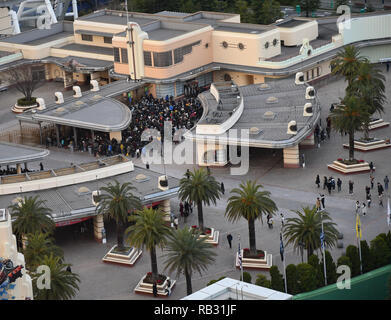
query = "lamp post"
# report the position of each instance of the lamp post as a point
(324, 255)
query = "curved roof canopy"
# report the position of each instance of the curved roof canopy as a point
(14, 153)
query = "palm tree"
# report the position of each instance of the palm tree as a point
(63, 283)
(40, 245)
(347, 63)
(31, 216)
(307, 227)
(200, 188)
(188, 252)
(249, 203)
(149, 230)
(116, 202)
(349, 117)
(368, 85)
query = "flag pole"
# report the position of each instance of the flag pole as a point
(240, 259)
(358, 236)
(324, 255)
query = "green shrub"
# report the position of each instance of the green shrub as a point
(291, 279)
(366, 257)
(276, 279)
(313, 260)
(344, 260)
(262, 281)
(24, 102)
(306, 277)
(246, 277)
(353, 254)
(213, 281)
(331, 269)
(380, 251)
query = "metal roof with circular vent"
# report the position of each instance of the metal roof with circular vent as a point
(141, 178)
(254, 130)
(83, 190)
(269, 115)
(264, 86)
(271, 100)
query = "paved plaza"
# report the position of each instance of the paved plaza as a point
(290, 189)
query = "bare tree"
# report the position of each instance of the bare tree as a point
(22, 79)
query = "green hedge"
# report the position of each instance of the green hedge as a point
(24, 102)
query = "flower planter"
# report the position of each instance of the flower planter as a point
(127, 258)
(365, 146)
(377, 124)
(264, 261)
(145, 286)
(20, 109)
(211, 234)
(360, 167)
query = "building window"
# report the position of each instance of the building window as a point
(162, 59)
(38, 73)
(147, 58)
(116, 55)
(86, 37)
(124, 55)
(225, 44)
(180, 52)
(241, 46)
(266, 44)
(108, 40)
(275, 42)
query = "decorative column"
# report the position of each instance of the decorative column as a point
(58, 135)
(98, 227)
(166, 209)
(291, 157)
(18, 168)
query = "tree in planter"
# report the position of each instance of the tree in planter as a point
(347, 64)
(23, 79)
(349, 117)
(380, 252)
(291, 279)
(313, 260)
(368, 86)
(31, 216)
(116, 201)
(331, 269)
(306, 277)
(276, 279)
(149, 230)
(249, 203)
(200, 188)
(187, 252)
(262, 281)
(40, 245)
(246, 277)
(354, 256)
(306, 228)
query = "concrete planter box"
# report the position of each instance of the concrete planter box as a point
(264, 263)
(129, 258)
(350, 169)
(370, 146)
(212, 238)
(20, 109)
(147, 288)
(377, 124)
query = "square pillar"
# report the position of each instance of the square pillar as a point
(116, 135)
(291, 157)
(166, 209)
(98, 227)
(308, 142)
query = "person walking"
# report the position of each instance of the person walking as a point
(367, 190)
(339, 184)
(282, 220)
(186, 208)
(176, 222)
(324, 182)
(229, 238)
(154, 289)
(386, 181)
(222, 188)
(371, 166)
(357, 206)
(317, 181)
(372, 179)
(187, 173)
(351, 184)
(329, 186)
(317, 205)
(364, 209)
(380, 188)
(41, 166)
(369, 200)
(181, 209)
(271, 221)
(322, 200)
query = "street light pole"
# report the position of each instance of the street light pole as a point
(324, 255)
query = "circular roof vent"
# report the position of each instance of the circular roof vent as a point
(83, 190)
(269, 115)
(141, 176)
(264, 86)
(59, 110)
(271, 100)
(254, 130)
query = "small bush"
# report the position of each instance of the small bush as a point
(262, 281)
(213, 281)
(24, 102)
(246, 277)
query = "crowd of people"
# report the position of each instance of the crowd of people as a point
(147, 113)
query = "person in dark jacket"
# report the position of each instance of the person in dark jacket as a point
(154, 289)
(317, 181)
(222, 188)
(229, 238)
